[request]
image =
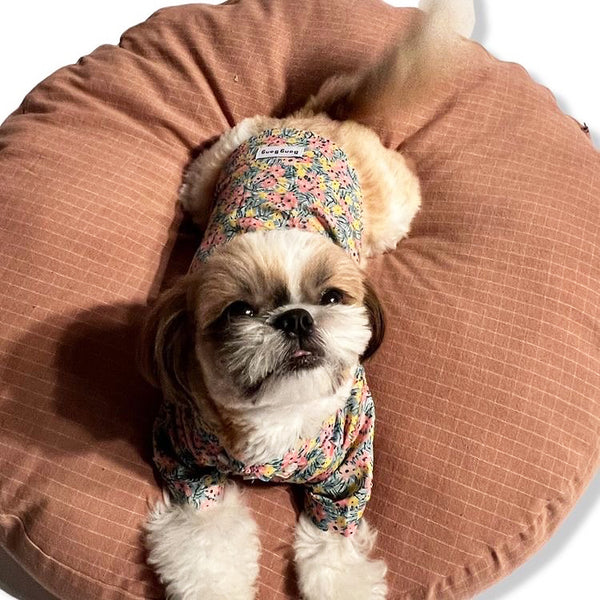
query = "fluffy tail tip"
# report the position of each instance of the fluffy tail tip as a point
(451, 15)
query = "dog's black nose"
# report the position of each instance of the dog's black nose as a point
(295, 322)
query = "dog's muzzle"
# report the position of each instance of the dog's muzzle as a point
(296, 323)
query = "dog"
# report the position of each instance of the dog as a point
(258, 350)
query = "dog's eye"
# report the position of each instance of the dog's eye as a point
(331, 296)
(240, 309)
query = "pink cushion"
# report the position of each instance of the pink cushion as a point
(486, 388)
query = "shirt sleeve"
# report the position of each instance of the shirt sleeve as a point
(186, 480)
(338, 502)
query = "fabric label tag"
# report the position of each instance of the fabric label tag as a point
(280, 151)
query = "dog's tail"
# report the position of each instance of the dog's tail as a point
(428, 53)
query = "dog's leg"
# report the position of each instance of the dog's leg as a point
(196, 194)
(210, 553)
(333, 567)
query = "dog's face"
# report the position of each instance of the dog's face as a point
(271, 318)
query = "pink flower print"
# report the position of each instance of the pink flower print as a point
(327, 430)
(296, 223)
(338, 167)
(350, 528)
(289, 458)
(289, 161)
(238, 196)
(328, 448)
(318, 194)
(306, 184)
(328, 150)
(316, 143)
(289, 464)
(183, 487)
(302, 462)
(273, 140)
(219, 238)
(366, 425)
(341, 174)
(274, 198)
(345, 179)
(213, 240)
(288, 201)
(228, 199)
(347, 471)
(250, 223)
(250, 471)
(329, 222)
(277, 171)
(268, 182)
(318, 512)
(207, 503)
(362, 461)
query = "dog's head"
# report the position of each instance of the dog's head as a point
(271, 318)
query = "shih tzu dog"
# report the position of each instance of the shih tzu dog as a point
(258, 349)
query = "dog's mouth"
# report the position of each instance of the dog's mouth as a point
(302, 359)
(295, 361)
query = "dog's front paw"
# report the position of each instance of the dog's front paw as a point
(211, 553)
(333, 567)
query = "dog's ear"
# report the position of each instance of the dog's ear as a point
(376, 320)
(166, 349)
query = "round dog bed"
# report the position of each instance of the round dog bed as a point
(486, 388)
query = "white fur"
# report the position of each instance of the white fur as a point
(333, 567)
(278, 427)
(212, 553)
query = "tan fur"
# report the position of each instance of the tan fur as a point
(234, 275)
(331, 268)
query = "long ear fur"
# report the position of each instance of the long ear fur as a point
(166, 348)
(425, 56)
(376, 320)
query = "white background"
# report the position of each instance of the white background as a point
(556, 41)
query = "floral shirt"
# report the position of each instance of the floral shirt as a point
(336, 466)
(286, 178)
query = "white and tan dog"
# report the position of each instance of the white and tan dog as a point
(258, 349)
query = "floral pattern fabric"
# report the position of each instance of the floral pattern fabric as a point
(336, 466)
(317, 191)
